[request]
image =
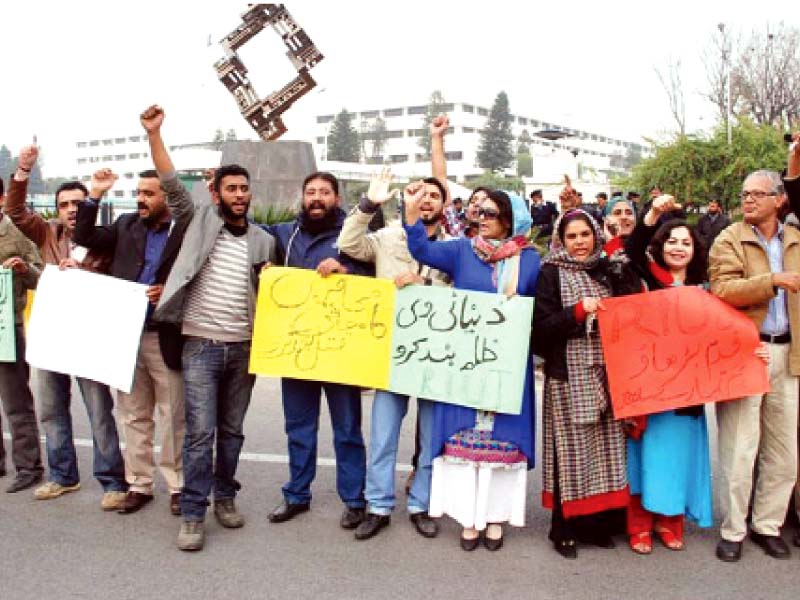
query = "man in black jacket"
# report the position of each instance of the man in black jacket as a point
(711, 224)
(144, 246)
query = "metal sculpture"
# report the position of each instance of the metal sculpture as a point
(265, 115)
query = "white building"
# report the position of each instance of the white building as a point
(580, 152)
(129, 155)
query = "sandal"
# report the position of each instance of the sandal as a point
(669, 539)
(641, 543)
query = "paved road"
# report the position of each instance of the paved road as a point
(67, 548)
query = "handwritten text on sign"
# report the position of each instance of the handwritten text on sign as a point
(334, 329)
(677, 347)
(8, 343)
(461, 347)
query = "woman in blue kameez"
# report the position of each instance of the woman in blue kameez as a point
(482, 458)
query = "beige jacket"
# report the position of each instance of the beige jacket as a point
(387, 248)
(740, 275)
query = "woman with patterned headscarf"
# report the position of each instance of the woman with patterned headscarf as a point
(482, 458)
(584, 446)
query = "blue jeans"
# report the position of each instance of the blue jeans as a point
(301, 406)
(388, 410)
(54, 405)
(217, 387)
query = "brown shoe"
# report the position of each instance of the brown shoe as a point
(134, 501)
(175, 504)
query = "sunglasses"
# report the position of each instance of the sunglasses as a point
(489, 213)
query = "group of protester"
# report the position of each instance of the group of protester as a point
(201, 265)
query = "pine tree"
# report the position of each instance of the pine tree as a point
(494, 151)
(378, 136)
(231, 135)
(435, 103)
(343, 140)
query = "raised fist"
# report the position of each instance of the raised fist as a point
(439, 125)
(28, 156)
(152, 118)
(102, 181)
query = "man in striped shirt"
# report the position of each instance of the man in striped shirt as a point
(211, 291)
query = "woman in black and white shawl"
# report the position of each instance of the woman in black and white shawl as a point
(583, 445)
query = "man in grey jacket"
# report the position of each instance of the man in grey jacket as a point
(211, 290)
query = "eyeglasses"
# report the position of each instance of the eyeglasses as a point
(755, 194)
(489, 213)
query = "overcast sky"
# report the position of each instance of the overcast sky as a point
(84, 69)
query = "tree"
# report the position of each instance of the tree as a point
(231, 135)
(764, 73)
(524, 142)
(670, 80)
(494, 151)
(377, 134)
(699, 168)
(435, 104)
(343, 139)
(524, 164)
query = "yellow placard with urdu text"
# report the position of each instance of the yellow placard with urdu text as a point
(336, 328)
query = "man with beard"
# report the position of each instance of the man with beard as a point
(310, 243)
(54, 240)
(211, 292)
(144, 245)
(388, 249)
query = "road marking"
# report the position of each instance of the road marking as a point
(245, 456)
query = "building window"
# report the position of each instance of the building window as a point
(422, 157)
(325, 119)
(398, 158)
(375, 160)
(370, 114)
(86, 178)
(450, 130)
(458, 155)
(393, 112)
(394, 134)
(94, 143)
(119, 140)
(415, 132)
(133, 193)
(107, 158)
(81, 144)
(128, 175)
(134, 155)
(108, 142)
(447, 107)
(483, 112)
(119, 194)
(523, 121)
(320, 140)
(417, 110)
(134, 138)
(468, 129)
(81, 161)
(468, 108)
(119, 157)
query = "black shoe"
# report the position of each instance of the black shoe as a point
(287, 511)
(568, 548)
(352, 517)
(133, 502)
(470, 544)
(729, 551)
(371, 525)
(426, 526)
(772, 545)
(796, 539)
(23, 481)
(2, 471)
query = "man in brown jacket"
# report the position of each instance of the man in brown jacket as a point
(19, 254)
(54, 240)
(755, 266)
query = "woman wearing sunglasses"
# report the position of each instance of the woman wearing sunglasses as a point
(482, 458)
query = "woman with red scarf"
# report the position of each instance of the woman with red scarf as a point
(482, 458)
